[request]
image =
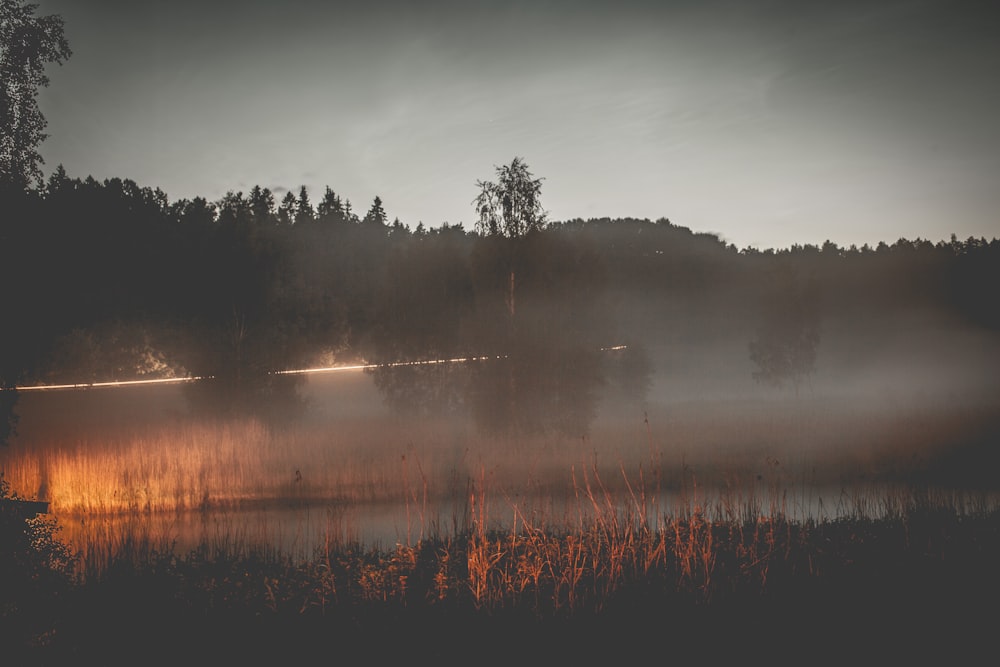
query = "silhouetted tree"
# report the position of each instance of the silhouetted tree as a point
(376, 214)
(330, 208)
(304, 213)
(262, 206)
(193, 213)
(511, 206)
(510, 209)
(397, 229)
(234, 209)
(543, 336)
(286, 210)
(27, 44)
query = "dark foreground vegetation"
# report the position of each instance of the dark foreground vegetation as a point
(706, 584)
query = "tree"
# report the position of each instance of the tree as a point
(234, 209)
(262, 205)
(286, 210)
(510, 209)
(304, 213)
(27, 44)
(331, 208)
(376, 214)
(512, 206)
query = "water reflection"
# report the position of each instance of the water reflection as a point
(131, 466)
(536, 387)
(307, 531)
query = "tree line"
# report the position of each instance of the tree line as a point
(110, 280)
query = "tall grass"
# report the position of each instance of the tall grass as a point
(654, 486)
(207, 465)
(648, 521)
(634, 542)
(680, 577)
(501, 551)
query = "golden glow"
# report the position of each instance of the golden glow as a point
(110, 383)
(361, 367)
(298, 371)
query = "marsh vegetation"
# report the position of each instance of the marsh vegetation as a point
(683, 521)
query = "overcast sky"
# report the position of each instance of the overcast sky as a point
(768, 122)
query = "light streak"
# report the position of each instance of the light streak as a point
(109, 383)
(393, 364)
(297, 371)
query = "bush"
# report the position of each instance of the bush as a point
(36, 571)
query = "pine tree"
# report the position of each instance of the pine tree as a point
(304, 210)
(330, 209)
(262, 205)
(376, 214)
(287, 208)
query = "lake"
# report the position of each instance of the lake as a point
(135, 466)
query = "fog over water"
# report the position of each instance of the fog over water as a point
(922, 408)
(627, 359)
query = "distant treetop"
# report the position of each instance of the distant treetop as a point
(512, 205)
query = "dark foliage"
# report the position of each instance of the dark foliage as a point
(36, 572)
(28, 43)
(114, 281)
(917, 587)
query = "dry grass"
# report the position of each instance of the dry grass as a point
(622, 565)
(562, 520)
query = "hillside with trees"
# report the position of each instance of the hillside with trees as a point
(109, 280)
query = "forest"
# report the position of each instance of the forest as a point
(110, 280)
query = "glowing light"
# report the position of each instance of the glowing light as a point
(394, 364)
(110, 383)
(297, 371)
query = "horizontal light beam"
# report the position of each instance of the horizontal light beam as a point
(298, 371)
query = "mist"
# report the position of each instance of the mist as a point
(621, 343)
(333, 359)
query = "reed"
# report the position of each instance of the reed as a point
(610, 559)
(648, 522)
(551, 523)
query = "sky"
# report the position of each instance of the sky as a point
(767, 122)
